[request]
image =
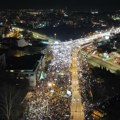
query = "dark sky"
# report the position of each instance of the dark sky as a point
(75, 4)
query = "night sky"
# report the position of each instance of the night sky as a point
(72, 4)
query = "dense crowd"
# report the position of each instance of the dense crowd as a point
(50, 99)
(59, 103)
(36, 103)
(53, 89)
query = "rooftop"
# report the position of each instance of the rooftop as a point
(22, 63)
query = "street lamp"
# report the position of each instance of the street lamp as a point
(49, 84)
(55, 35)
(114, 44)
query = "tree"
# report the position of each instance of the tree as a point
(10, 102)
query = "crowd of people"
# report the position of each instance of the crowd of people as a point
(87, 83)
(84, 83)
(59, 102)
(36, 103)
(51, 100)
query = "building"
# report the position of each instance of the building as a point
(2, 61)
(26, 67)
(2, 29)
(14, 42)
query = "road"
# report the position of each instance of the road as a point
(76, 104)
(37, 35)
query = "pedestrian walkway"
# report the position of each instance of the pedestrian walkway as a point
(76, 103)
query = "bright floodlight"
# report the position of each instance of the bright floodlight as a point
(52, 91)
(107, 37)
(50, 84)
(69, 93)
(56, 42)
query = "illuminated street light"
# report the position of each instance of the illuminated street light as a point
(114, 44)
(107, 37)
(52, 91)
(49, 84)
(55, 35)
(56, 42)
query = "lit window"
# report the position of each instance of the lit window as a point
(11, 70)
(22, 70)
(21, 78)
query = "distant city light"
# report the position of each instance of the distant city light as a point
(11, 70)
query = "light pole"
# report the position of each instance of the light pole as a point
(55, 35)
(51, 86)
(114, 44)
